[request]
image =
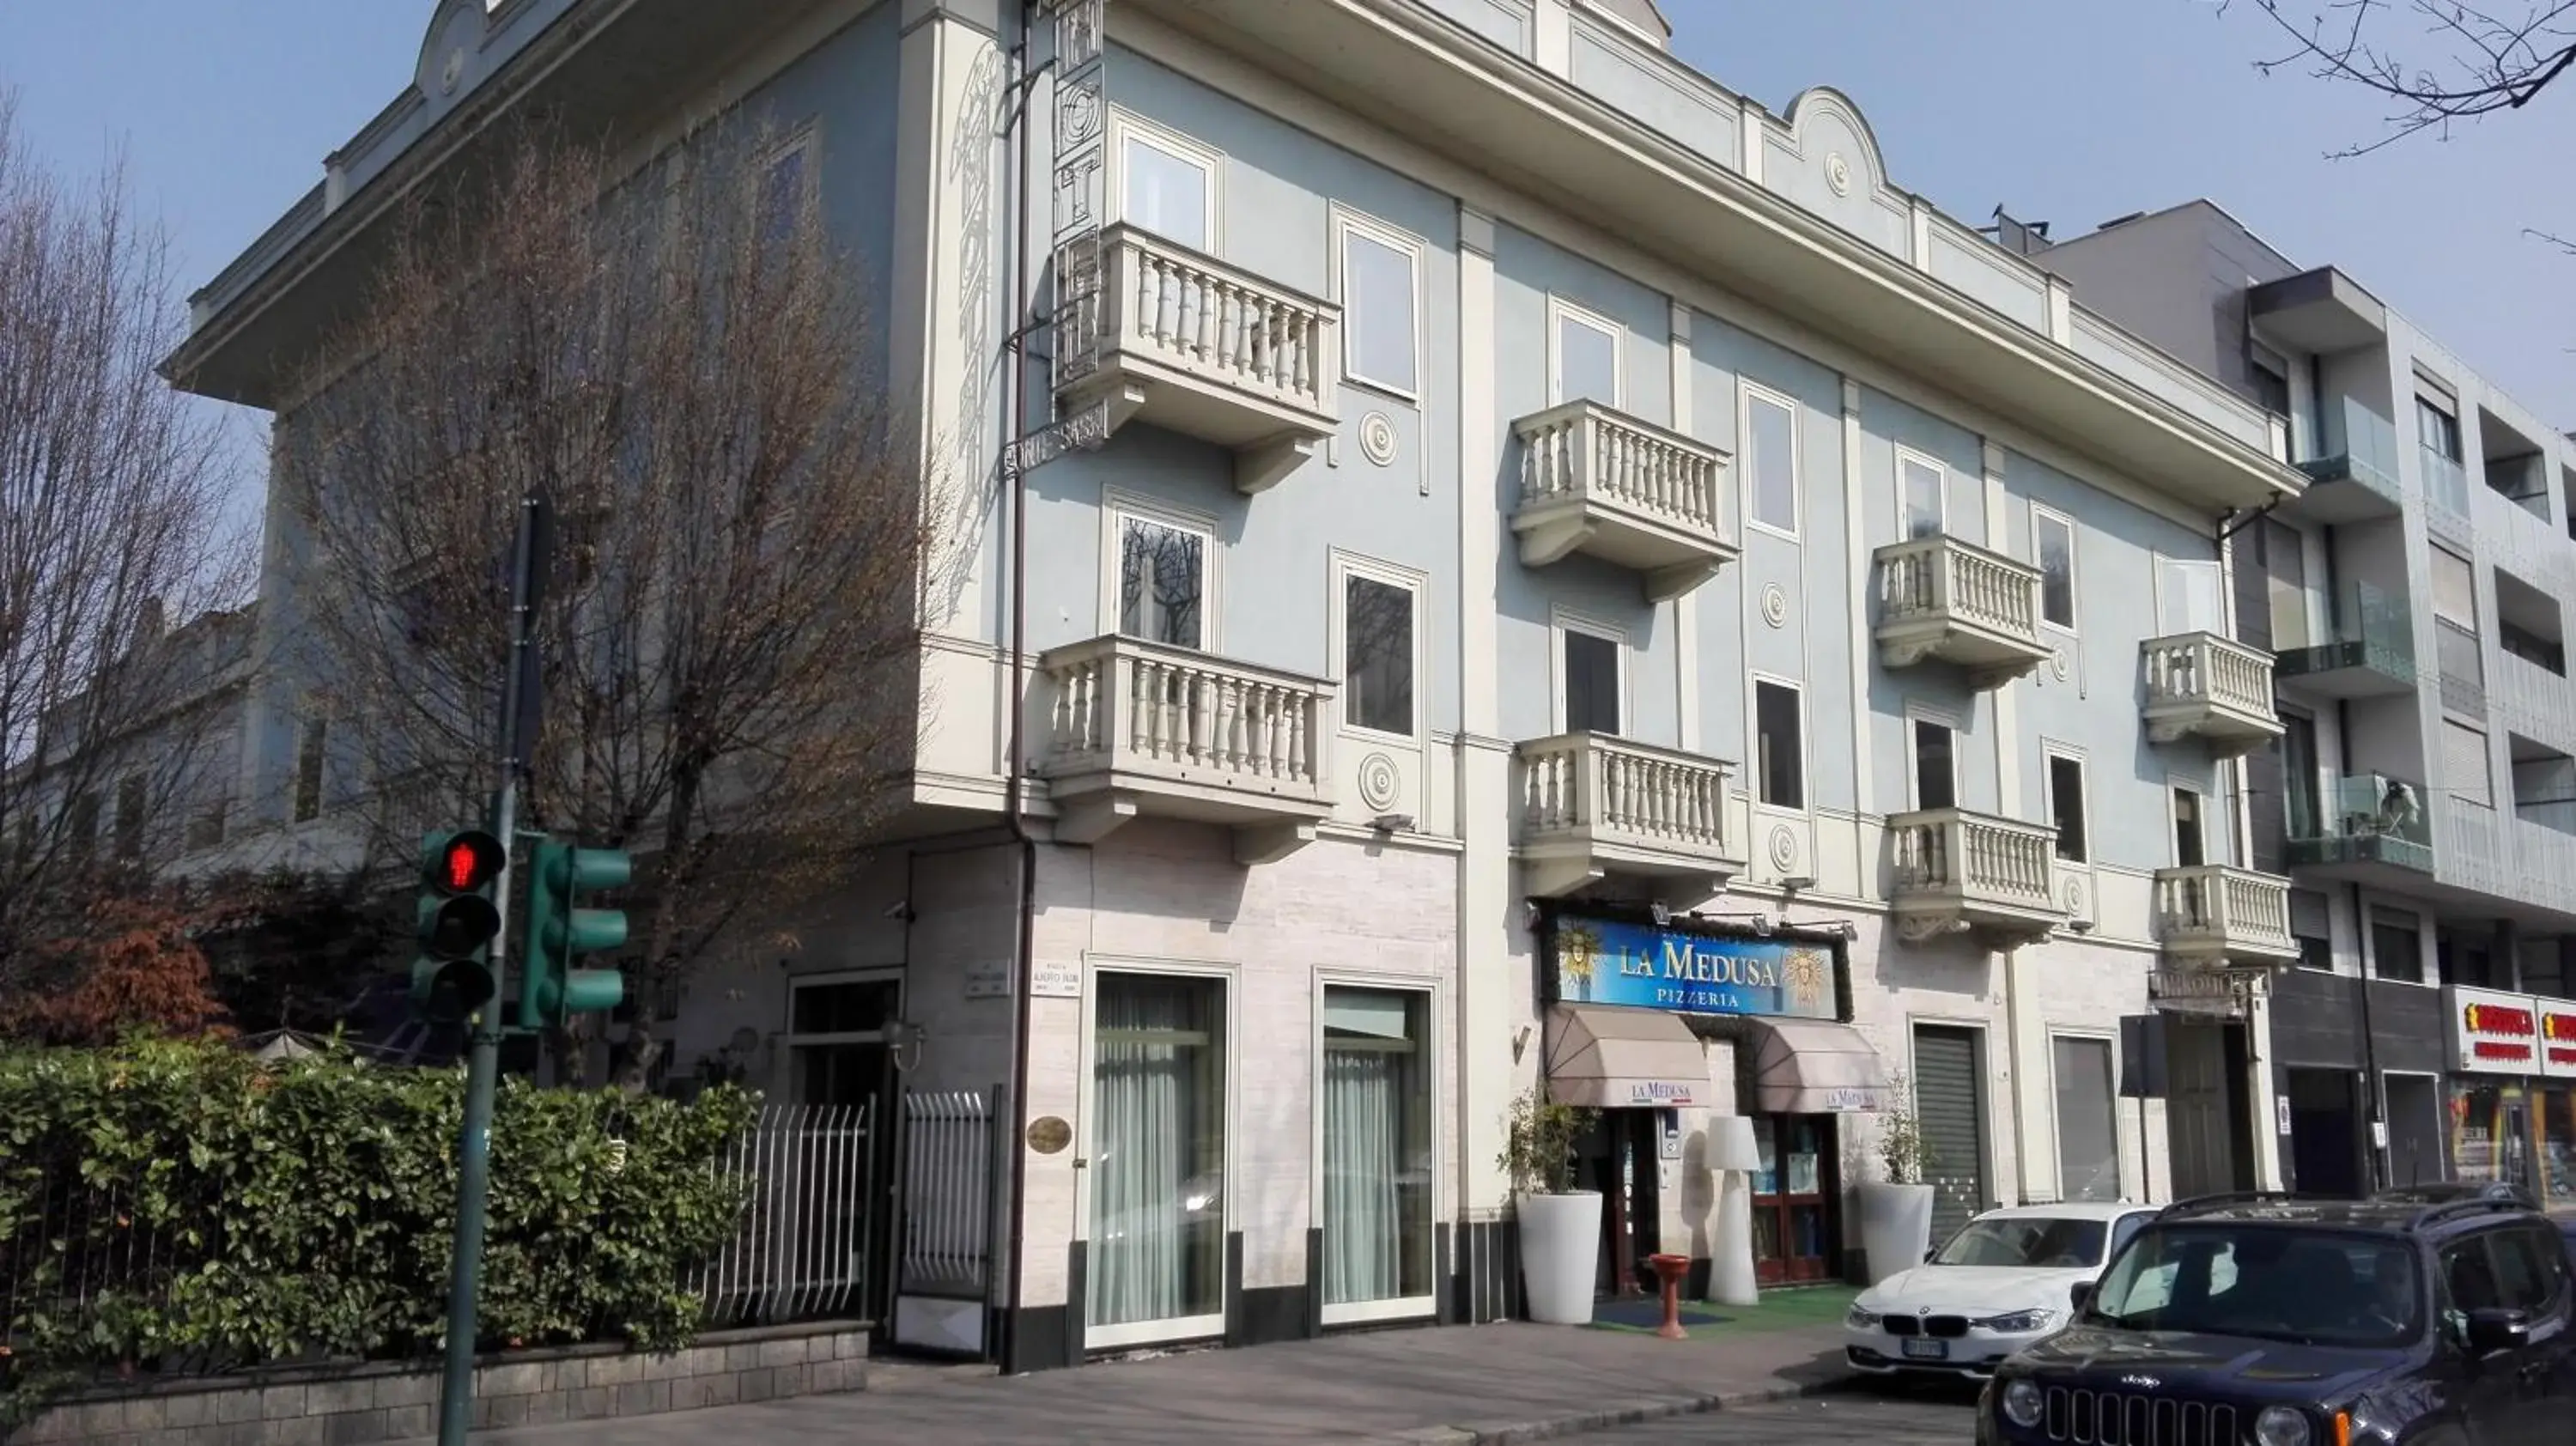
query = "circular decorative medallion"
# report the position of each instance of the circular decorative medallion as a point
(1377, 438)
(1775, 606)
(1379, 782)
(1838, 174)
(1784, 847)
(2075, 897)
(2058, 664)
(1049, 1134)
(453, 72)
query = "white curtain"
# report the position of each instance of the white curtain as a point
(1375, 1153)
(1156, 1148)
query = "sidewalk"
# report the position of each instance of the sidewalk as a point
(1430, 1387)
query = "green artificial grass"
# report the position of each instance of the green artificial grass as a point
(1782, 1308)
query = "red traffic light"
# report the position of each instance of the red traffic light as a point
(463, 862)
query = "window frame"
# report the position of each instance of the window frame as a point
(788, 1038)
(1753, 734)
(1126, 128)
(313, 742)
(2427, 975)
(1749, 394)
(2050, 754)
(2176, 785)
(1940, 493)
(798, 141)
(1562, 621)
(1561, 312)
(1117, 506)
(1347, 224)
(1346, 566)
(1916, 715)
(1434, 1006)
(1177, 1328)
(2041, 514)
(2454, 446)
(2110, 1043)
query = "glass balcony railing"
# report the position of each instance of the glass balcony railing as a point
(2358, 446)
(2373, 634)
(2369, 818)
(2446, 482)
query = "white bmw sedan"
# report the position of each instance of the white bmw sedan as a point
(2005, 1280)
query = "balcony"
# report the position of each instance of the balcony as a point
(2355, 479)
(1600, 482)
(1133, 728)
(2205, 684)
(2372, 654)
(1939, 597)
(2213, 914)
(1593, 806)
(1192, 345)
(2446, 483)
(1961, 872)
(2369, 829)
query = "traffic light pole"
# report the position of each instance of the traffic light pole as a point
(483, 1052)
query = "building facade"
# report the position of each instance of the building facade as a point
(1500, 562)
(2420, 794)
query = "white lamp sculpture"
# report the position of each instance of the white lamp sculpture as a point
(1733, 1154)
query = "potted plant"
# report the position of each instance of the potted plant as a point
(1560, 1226)
(1896, 1210)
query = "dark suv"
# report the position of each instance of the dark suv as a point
(2276, 1320)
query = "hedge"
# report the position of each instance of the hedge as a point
(183, 1207)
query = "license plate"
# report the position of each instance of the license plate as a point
(1919, 1349)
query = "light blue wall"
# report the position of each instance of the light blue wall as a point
(1938, 690)
(1276, 191)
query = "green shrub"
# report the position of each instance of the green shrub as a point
(180, 1205)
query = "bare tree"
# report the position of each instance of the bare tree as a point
(2466, 61)
(679, 362)
(112, 520)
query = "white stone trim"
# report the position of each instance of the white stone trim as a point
(1341, 565)
(1748, 394)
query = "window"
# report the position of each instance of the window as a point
(2088, 1147)
(129, 817)
(1778, 731)
(2066, 806)
(844, 1006)
(2464, 765)
(2190, 596)
(2311, 924)
(2301, 799)
(2270, 377)
(1919, 485)
(2055, 542)
(1162, 582)
(2455, 588)
(1592, 691)
(1586, 361)
(1377, 654)
(786, 184)
(1157, 1120)
(310, 755)
(2189, 847)
(1167, 187)
(81, 828)
(1771, 442)
(1936, 778)
(2282, 552)
(1380, 301)
(2530, 1268)
(2396, 946)
(1378, 1164)
(2437, 429)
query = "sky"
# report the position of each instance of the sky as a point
(2067, 111)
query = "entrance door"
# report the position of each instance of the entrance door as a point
(1620, 1156)
(2198, 1134)
(1155, 1173)
(2325, 1132)
(1793, 1234)
(2414, 1129)
(843, 1072)
(1949, 1107)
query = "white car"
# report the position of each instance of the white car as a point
(2004, 1281)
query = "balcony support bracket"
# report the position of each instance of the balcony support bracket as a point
(1552, 536)
(1268, 843)
(1094, 816)
(1264, 465)
(1666, 584)
(1554, 878)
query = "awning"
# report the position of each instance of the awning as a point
(1815, 1067)
(1610, 1058)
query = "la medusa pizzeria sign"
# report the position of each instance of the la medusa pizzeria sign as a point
(2512, 1033)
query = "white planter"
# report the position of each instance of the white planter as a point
(1560, 1250)
(1895, 1226)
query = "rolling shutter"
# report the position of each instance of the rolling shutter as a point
(1946, 1105)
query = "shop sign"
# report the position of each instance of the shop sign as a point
(2557, 1037)
(1599, 961)
(2495, 1033)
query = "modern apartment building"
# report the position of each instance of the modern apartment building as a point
(1500, 561)
(2423, 795)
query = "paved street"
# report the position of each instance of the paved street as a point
(1894, 1418)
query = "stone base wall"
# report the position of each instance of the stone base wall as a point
(398, 1401)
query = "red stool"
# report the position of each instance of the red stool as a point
(1670, 1269)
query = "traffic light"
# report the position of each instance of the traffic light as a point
(457, 918)
(559, 931)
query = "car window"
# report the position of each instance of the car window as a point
(2468, 1278)
(2529, 1269)
(2122, 1229)
(2029, 1242)
(2228, 1278)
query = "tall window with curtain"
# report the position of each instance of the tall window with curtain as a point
(1376, 1109)
(1157, 1249)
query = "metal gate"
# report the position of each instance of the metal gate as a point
(802, 1252)
(1947, 1108)
(944, 1273)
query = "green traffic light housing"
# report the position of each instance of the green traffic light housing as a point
(456, 921)
(559, 931)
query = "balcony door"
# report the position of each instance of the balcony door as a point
(1162, 582)
(2189, 597)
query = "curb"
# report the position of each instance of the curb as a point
(1514, 1433)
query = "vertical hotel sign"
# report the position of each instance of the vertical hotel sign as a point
(1080, 186)
(1599, 961)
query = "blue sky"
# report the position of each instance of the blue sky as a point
(2070, 111)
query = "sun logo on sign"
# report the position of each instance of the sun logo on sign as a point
(1806, 974)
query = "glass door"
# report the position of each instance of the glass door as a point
(1156, 1167)
(1792, 1232)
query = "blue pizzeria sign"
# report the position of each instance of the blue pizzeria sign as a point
(1599, 961)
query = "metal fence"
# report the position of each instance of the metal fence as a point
(805, 1240)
